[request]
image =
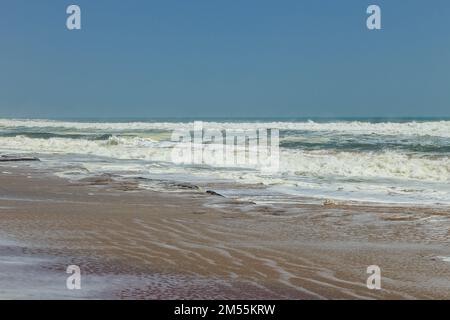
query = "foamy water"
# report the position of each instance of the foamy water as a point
(380, 161)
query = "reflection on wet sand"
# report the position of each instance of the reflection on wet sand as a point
(132, 243)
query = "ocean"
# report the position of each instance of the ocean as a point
(378, 161)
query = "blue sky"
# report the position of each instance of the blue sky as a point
(227, 58)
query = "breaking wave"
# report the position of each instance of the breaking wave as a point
(414, 128)
(402, 161)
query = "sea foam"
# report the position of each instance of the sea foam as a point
(337, 159)
(416, 128)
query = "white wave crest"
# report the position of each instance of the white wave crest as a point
(121, 148)
(427, 128)
(388, 164)
(320, 163)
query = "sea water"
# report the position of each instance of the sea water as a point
(370, 160)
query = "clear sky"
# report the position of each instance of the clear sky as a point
(225, 58)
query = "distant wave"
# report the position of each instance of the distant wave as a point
(49, 135)
(426, 128)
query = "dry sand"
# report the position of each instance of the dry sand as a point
(185, 244)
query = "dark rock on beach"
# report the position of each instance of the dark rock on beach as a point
(17, 158)
(213, 193)
(187, 186)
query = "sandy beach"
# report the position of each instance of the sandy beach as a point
(184, 244)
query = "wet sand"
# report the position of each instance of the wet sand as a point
(189, 244)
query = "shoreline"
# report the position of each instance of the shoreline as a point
(153, 245)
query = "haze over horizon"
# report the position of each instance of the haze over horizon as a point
(217, 59)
